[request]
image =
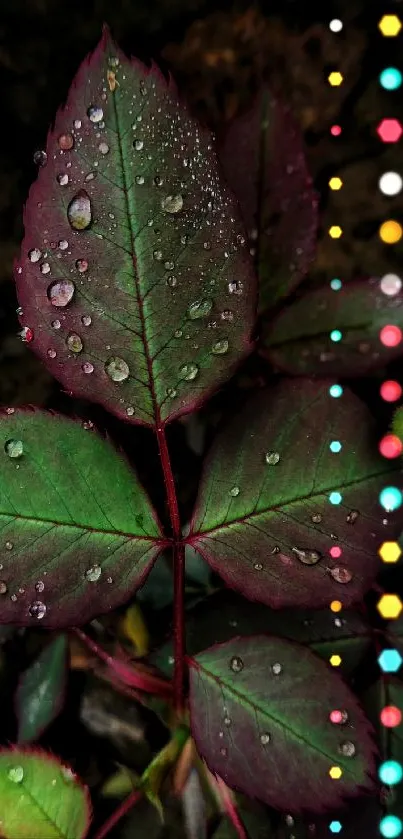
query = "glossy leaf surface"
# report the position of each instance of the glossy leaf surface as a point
(282, 517)
(41, 690)
(40, 798)
(263, 160)
(260, 715)
(134, 278)
(335, 332)
(77, 531)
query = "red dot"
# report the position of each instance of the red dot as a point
(390, 446)
(390, 336)
(335, 552)
(336, 717)
(335, 130)
(391, 716)
(390, 391)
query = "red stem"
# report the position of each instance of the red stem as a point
(121, 811)
(179, 571)
(230, 808)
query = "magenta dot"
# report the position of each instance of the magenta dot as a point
(335, 552)
(336, 717)
(335, 130)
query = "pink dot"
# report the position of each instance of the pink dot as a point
(335, 552)
(336, 717)
(335, 130)
(390, 391)
(390, 336)
(390, 446)
(391, 716)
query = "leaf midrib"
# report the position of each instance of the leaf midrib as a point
(87, 528)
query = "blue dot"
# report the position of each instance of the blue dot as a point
(335, 498)
(390, 498)
(390, 827)
(336, 284)
(336, 335)
(335, 827)
(335, 391)
(389, 661)
(390, 78)
(390, 772)
(335, 446)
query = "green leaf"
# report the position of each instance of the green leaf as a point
(40, 798)
(260, 716)
(266, 518)
(151, 270)
(78, 533)
(41, 690)
(300, 340)
(255, 819)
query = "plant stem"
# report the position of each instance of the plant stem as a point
(179, 572)
(230, 808)
(121, 811)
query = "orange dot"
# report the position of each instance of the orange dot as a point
(336, 606)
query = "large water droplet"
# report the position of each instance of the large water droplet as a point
(172, 203)
(95, 113)
(307, 556)
(66, 142)
(37, 610)
(352, 516)
(265, 738)
(220, 347)
(236, 664)
(14, 448)
(276, 668)
(347, 749)
(117, 369)
(61, 292)
(103, 148)
(79, 211)
(234, 491)
(3, 587)
(82, 265)
(272, 458)
(34, 255)
(138, 144)
(316, 518)
(74, 342)
(87, 367)
(16, 774)
(189, 371)
(93, 573)
(86, 320)
(341, 574)
(235, 287)
(40, 158)
(199, 309)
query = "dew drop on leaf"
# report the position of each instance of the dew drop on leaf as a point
(66, 142)
(51, 353)
(3, 587)
(86, 320)
(139, 180)
(61, 292)
(236, 664)
(226, 314)
(93, 573)
(171, 392)
(189, 371)
(79, 211)
(40, 158)
(172, 204)
(307, 556)
(62, 179)
(352, 516)
(234, 491)
(74, 343)
(158, 180)
(316, 518)
(220, 347)
(95, 113)
(265, 738)
(347, 749)
(56, 324)
(138, 144)
(157, 255)
(258, 566)
(45, 268)
(223, 751)
(199, 309)
(276, 668)
(117, 369)
(14, 448)
(88, 367)
(227, 721)
(27, 334)
(172, 282)
(34, 255)
(81, 265)
(272, 458)
(235, 287)
(39, 586)
(63, 244)
(9, 546)
(130, 411)
(37, 610)
(103, 148)
(16, 774)
(341, 574)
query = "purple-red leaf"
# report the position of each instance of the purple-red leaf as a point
(78, 533)
(337, 333)
(135, 279)
(288, 509)
(263, 160)
(260, 715)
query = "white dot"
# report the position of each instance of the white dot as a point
(390, 183)
(336, 25)
(391, 284)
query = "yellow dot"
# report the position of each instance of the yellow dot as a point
(390, 232)
(390, 552)
(335, 183)
(390, 26)
(335, 79)
(389, 606)
(335, 772)
(335, 660)
(336, 606)
(335, 231)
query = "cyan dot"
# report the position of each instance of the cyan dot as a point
(335, 498)
(390, 78)
(335, 391)
(335, 827)
(390, 827)
(390, 498)
(335, 446)
(336, 284)
(390, 772)
(336, 335)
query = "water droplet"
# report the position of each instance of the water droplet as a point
(95, 113)
(39, 586)
(63, 244)
(93, 573)
(169, 266)
(40, 158)
(14, 448)
(56, 324)
(13, 597)
(16, 774)
(189, 371)
(34, 255)
(117, 369)
(51, 353)
(199, 309)
(139, 180)
(3, 587)
(27, 334)
(227, 315)
(307, 556)
(45, 268)
(272, 458)
(171, 392)
(130, 411)
(103, 148)
(341, 574)
(316, 518)
(158, 180)
(258, 566)
(234, 491)
(347, 749)
(37, 610)
(235, 287)
(172, 281)
(265, 738)
(227, 721)
(207, 246)
(223, 751)
(276, 668)
(79, 211)
(178, 333)
(77, 124)
(81, 265)
(352, 516)
(220, 347)
(66, 142)
(62, 179)
(86, 320)
(87, 367)
(289, 821)
(338, 717)
(9, 546)
(61, 292)
(157, 255)
(74, 342)
(172, 204)
(138, 144)
(90, 176)
(236, 664)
